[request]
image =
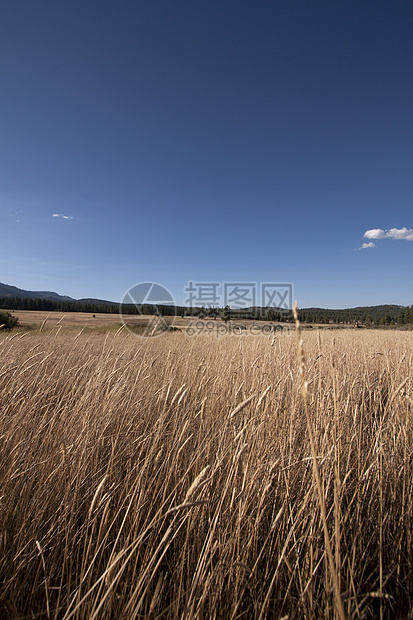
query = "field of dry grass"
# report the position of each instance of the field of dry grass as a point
(173, 477)
(100, 321)
(65, 319)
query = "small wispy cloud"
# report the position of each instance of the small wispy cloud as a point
(14, 216)
(392, 233)
(64, 217)
(367, 245)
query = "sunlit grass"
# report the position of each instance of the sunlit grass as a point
(172, 477)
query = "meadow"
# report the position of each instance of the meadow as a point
(206, 477)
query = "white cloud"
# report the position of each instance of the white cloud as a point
(367, 245)
(400, 233)
(392, 233)
(64, 217)
(374, 233)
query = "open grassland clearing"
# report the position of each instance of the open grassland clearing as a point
(69, 322)
(172, 477)
(35, 319)
(74, 322)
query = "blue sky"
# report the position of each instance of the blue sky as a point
(218, 141)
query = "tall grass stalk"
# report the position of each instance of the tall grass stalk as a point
(317, 478)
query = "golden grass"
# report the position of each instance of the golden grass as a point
(64, 319)
(173, 477)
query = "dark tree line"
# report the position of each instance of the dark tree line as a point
(372, 315)
(405, 317)
(51, 305)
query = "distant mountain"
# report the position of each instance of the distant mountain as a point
(6, 290)
(91, 300)
(366, 309)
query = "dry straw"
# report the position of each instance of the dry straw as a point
(316, 472)
(206, 477)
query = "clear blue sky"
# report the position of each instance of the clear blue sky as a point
(212, 140)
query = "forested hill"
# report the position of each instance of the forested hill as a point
(361, 313)
(6, 290)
